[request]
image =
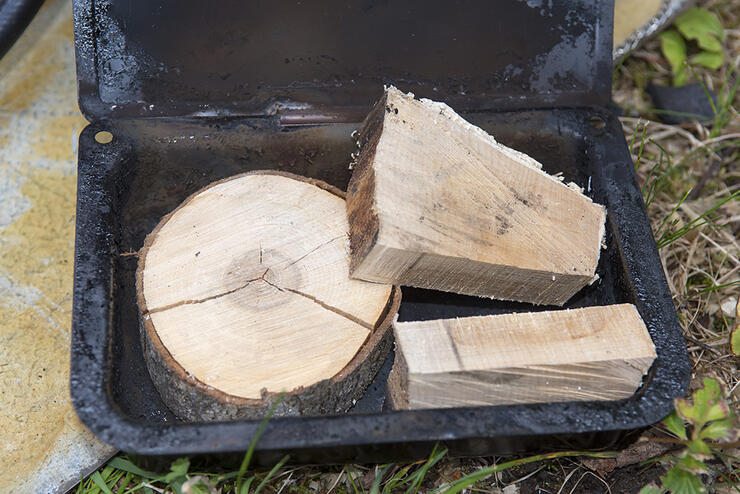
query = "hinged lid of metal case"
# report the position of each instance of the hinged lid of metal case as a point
(246, 58)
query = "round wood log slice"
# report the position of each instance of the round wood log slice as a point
(246, 302)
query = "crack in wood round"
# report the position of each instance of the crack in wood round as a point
(246, 302)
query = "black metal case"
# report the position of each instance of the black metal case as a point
(194, 92)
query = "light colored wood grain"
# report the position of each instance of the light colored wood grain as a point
(435, 202)
(247, 286)
(595, 353)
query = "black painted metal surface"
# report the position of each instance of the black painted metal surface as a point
(126, 186)
(15, 15)
(193, 58)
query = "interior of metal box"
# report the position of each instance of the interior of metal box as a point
(176, 82)
(165, 162)
(125, 187)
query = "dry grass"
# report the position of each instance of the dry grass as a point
(703, 266)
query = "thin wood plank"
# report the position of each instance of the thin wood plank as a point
(594, 353)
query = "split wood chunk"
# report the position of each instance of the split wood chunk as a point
(596, 353)
(244, 293)
(435, 202)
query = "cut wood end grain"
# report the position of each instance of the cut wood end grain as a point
(594, 353)
(244, 293)
(435, 202)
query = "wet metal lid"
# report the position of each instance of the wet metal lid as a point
(331, 57)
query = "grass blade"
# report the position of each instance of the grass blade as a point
(351, 480)
(100, 483)
(707, 93)
(269, 475)
(468, 480)
(375, 488)
(718, 287)
(670, 215)
(125, 483)
(244, 488)
(642, 146)
(668, 238)
(725, 477)
(250, 452)
(418, 476)
(398, 478)
(128, 466)
(79, 486)
(726, 99)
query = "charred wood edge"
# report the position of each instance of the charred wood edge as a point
(397, 392)
(361, 213)
(192, 400)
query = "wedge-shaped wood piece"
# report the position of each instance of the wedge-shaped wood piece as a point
(244, 293)
(596, 353)
(435, 202)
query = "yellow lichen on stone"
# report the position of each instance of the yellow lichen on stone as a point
(56, 142)
(36, 261)
(630, 15)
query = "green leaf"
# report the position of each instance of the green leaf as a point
(718, 411)
(703, 26)
(674, 50)
(709, 59)
(720, 429)
(652, 489)
(691, 464)
(686, 410)
(199, 488)
(178, 474)
(180, 467)
(707, 405)
(699, 449)
(106, 472)
(735, 336)
(675, 425)
(177, 484)
(711, 388)
(681, 78)
(680, 481)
